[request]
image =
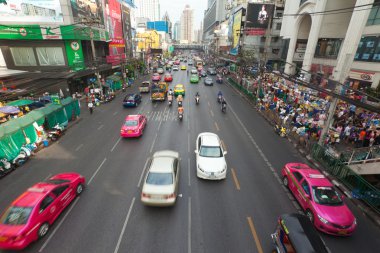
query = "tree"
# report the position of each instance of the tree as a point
(247, 60)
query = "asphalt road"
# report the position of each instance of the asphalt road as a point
(234, 215)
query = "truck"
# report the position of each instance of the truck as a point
(159, 91)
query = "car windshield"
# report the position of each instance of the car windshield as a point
(16, 215)
(159, 178)
(56, 181)
(326, 196)
(208, 151)
(131, 123)
(130, 99)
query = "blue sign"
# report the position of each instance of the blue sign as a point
(159, 26)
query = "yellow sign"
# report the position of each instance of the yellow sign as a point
(236, 32)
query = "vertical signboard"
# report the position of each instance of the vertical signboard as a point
(126, 18)
(74, 54)
(115, 30)
(91, 9)
(236, 27)
(31, 11)
(258, 17)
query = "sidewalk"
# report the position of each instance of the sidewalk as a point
(304, 148)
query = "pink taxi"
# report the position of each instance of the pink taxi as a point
(321, 202)
(30, 216)
(133, 126)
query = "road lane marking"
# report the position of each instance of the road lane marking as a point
(59, 224)
(189, 229)
(212, 114)
(208, 104)
(188, 142)
(235, 179)
(216, 126)
(255, 236)
(188, 170)
(114, 114)
(100, 127)
(79, 147)
(117, 142)
(96, 172)
(124, 226)
(142, 173)
(154, 142)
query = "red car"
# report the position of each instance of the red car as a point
(168, 78)
(316, 195)
(156, 77)
(30, 216)
(133, 126)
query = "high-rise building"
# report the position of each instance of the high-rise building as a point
(167, 19)
(177, 31)
(148, 9)
(187, 23)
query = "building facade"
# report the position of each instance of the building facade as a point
(177, 31)
(148, 9)
(187, 24)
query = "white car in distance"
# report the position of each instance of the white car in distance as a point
(211, 163)
(161, 181)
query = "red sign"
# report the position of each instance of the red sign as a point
(254, 31)
(114, 27)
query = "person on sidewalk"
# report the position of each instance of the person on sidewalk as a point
(91, 107)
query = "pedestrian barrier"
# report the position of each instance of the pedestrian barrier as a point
(359, 187)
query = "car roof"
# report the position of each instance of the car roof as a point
(162, 164)
(178, 85)
(313, 176)
(132, 117)
(33, 195)
(209, 139)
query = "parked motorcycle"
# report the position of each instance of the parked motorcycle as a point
(280, 130)
(5, 167)
(56, 132)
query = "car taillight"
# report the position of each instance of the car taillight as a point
(171, 196)
(144, 195)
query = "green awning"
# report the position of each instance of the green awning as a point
(21, 102)
(67, 101)
(114, 78)
(37, 115)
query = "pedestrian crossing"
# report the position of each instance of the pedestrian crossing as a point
(167, 115)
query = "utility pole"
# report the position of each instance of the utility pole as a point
(94, 59)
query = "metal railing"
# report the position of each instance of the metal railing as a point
(361, 155)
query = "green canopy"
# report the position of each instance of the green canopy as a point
(37, 115)
(21, 102)
(9, 127)
(67, 101)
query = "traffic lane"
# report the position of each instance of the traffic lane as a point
(114, 187)
(279, 151)
(152, 228)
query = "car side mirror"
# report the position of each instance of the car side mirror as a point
(224, 152)
(196, 151)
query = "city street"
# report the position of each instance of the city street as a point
(234, 215)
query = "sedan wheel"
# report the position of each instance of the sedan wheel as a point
(79, 189)
(42, 231)
(310, 215)
(285, 181)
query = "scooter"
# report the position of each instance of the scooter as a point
(57, 132)
(219, 98)
(280, 130)
(197, 100)
(179, 103)
(224, 108)
(5, 167)
(180, 116)
(170, 102)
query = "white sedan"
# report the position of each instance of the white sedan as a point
(161, 182)
(211, 163)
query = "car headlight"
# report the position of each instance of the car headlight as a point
(200, 168)
(323, 219)
(224, 169)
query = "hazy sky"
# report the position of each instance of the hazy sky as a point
(175, 8)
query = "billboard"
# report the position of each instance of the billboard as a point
(159, 26)
(236, 30)
(126, 20)
(115, 30)
(31, 11)
(87, 9)
(258, 17)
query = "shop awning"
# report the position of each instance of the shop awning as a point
(21, 102)
(9, 109)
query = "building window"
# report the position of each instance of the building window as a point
(368, 49)
(328, 48)
(262, 39)
(50, 56)
(278, 26)
(374, 15)
(23, 56)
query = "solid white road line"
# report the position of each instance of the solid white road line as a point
(96, 172)
(142, 173)
(188, 170)
(189, 229)
(79, 147)
(154, 141)
(114, 146)
(212, 114)
(124, 226)
(59, 224)
(188, 142)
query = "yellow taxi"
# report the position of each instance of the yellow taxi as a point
(183, 67)
(179, 89)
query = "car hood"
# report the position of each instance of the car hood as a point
(11, 230)
(213, 164)
(158, 189)
(340, 215)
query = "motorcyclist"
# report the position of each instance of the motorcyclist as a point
(224, 104)
(170, 97)
(180, 110)
(171, 92)
(197, 97)
(220, 96)
(179, 100)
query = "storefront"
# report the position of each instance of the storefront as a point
(360, 79)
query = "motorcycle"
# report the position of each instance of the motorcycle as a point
(123, 89)
(219, 98)
(224, 108)
(179, 103)
(56, 132)
(197, 100)
(280, 130)
(170, 102)
(180, 116)
(5, 167)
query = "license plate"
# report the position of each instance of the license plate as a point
(156, 197)
(129, 131)
(3, 238)
(342, 232)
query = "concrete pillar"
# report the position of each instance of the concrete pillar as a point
(316, 22)
(290, 69)
(346, 55)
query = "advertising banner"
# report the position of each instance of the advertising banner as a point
(115, 30)
(31, 11)
(258, 16)
(126, 19)
(31, 32)
(236, 32)
(87, 9)
(75, 54)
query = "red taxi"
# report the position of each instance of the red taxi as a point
(156, 77)
(133, 126)
(321, 202)
(30, 216)
(168, 78)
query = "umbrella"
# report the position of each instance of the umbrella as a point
(21, 102)
(9, 109)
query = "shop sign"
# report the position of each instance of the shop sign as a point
(51, 33)
(72, 32)
(30, 32)
(75, 55)
(360, 75)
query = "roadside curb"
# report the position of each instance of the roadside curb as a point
(367, 211)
